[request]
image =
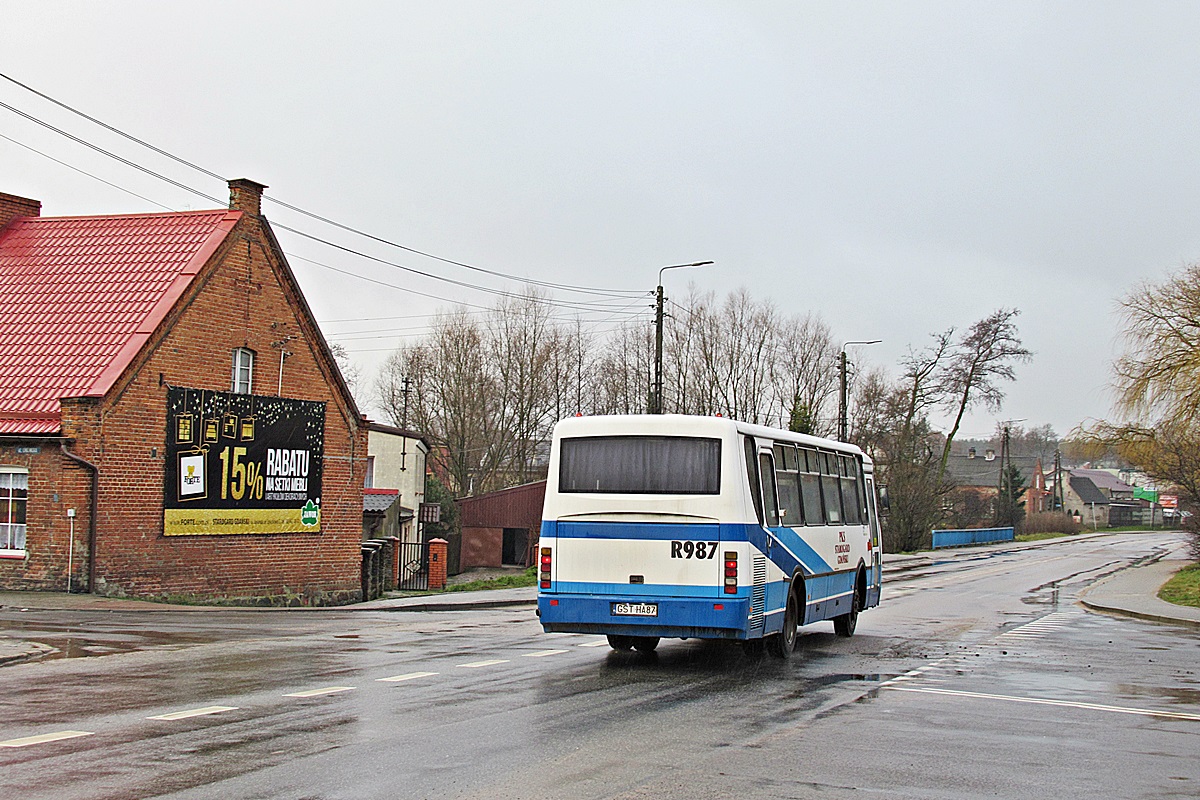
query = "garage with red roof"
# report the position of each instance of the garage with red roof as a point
(172, 422)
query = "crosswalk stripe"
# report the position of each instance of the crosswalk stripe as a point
(195, 712)
(45, 737)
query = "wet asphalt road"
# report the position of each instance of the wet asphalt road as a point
(978, 677)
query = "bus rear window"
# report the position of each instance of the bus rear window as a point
(640, 465)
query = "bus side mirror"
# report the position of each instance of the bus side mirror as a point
(884, 502)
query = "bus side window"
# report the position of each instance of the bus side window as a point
(830, 491)
(766, 469)
(862, 489)
(850, 493)
(810, 488)
(752, 478)
(790, 513)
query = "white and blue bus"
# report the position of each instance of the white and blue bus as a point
(685, 527)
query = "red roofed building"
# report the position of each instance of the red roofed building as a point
(172, 422)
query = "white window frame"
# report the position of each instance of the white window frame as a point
(6, 501)
(243, 362)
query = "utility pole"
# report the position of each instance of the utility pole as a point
(1004, 490)
(656, 394)
(1058, 501)
(843, 409)
(843, 389)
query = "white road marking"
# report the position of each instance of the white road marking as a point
(195, 712)
(319, 692)
(1041, 701)
(407, 677)
(477, 664)
(45, 737)
(542, 653)
(601, 643)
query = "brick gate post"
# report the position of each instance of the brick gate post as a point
(437, 563)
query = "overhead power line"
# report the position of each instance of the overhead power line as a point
(289, 206)
(499, 292)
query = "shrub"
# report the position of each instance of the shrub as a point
(1049, 522)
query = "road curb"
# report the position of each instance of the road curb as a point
(467, 606)
(1134, 614)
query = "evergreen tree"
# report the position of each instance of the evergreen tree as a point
(1010, 508)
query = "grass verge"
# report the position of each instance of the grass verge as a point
(1037, 537)
(1184, 588)
(526, 578)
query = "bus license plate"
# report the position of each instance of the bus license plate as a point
(635, 609)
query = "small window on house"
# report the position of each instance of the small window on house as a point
(370, 479)
(14, 490)
(243, 370)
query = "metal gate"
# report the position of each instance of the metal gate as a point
(414, 566)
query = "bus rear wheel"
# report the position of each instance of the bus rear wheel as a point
(783, 643)
(645, 644)
(846, 623)
(618, 642)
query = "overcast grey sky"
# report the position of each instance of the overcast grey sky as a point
(898, 168)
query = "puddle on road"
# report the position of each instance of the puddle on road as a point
(72, 642)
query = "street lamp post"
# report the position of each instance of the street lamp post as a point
(656, 400)
(842, 405)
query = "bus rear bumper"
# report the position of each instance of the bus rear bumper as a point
(676, 618)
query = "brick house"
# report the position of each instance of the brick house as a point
(172, 422)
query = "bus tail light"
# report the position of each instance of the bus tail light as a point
(544, 574)
(731, 572)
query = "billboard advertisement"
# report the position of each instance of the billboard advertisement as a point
(242, 463)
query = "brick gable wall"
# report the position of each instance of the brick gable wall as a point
(240, 299)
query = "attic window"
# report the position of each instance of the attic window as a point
(243, 371)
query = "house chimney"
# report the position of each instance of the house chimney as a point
(989, 455)
(12, 207)
(970, 452)
(246, 195)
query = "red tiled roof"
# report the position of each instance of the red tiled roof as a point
(79, 296)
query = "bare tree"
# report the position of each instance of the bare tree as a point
(520, 347)
(625, 369)
(982, 358)
(895, 430)
(351, 372)
(452, 398)
(805, 372)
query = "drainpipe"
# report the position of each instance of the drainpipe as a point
(95, 502)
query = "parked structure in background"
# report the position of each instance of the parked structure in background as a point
(172, 421)
(395, 482)
(1099, 499)
(501, 528)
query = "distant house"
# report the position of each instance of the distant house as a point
(1099, 499)
(981, 470)
(172, 421)
(976, 478)
(395, 481)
